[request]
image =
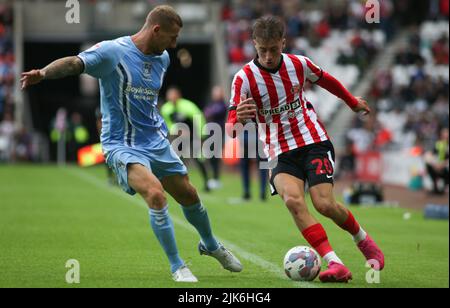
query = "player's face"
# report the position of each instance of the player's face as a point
(173, 95)
(269, 52)
(167, 38)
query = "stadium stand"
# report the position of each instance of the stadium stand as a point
(411, 97)
(6, 82)
(6, 59)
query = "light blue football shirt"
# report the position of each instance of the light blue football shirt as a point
(129, 86)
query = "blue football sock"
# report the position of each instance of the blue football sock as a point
(163, 228)
(198, 217)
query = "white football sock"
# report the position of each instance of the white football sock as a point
(332, 257)
(360, 236)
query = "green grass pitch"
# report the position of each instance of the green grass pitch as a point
(49, 215)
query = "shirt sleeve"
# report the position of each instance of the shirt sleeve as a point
(166, 59)
(239, 88)
(313, 72)
(335, 87)
(101, 59)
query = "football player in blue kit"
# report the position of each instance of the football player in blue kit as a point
(131, 70)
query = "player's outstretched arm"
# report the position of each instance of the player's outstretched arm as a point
(332, 85)
(362, 106)
(60, 68)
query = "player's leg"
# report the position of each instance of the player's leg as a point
(319, 166)
(291, 190)
(134, 174)
(181, 189)
(325, 203)
(168, 167)
(149, 187)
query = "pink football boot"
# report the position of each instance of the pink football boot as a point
(372, 253)
(336, 272)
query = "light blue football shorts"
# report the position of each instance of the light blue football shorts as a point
(161, 162)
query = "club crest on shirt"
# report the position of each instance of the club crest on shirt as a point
(147, 70)
(295, 89)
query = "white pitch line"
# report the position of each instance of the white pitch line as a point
(255, 259)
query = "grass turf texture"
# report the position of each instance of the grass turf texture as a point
(49, 215)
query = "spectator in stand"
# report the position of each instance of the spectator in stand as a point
(441, 51)
(444, 8)
(347, 164)
(23, 146)
(236, 53)
(362, 136)
(408, 56)
(7, 132)
(437, 163)
(439, 9)
(322, 29)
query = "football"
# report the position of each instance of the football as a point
(302, 263)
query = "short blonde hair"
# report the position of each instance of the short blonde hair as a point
(165, 16)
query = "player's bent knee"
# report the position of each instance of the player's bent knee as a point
(296, 205)
(155, 198)
(190, 196)
(325, 207)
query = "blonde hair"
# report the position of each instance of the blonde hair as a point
(165, 16)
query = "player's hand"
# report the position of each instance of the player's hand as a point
(362, 107)
(31, 78)
(246, 110)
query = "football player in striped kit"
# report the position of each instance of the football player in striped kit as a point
(269, 91)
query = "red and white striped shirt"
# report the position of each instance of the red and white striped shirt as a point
(290, 119)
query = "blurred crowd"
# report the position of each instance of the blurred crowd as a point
(308, 22)
(6, 59)
(411, 98)
(8, 134)
(16, 143)
(411, 103)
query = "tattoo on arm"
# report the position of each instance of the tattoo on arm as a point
(64, 67)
